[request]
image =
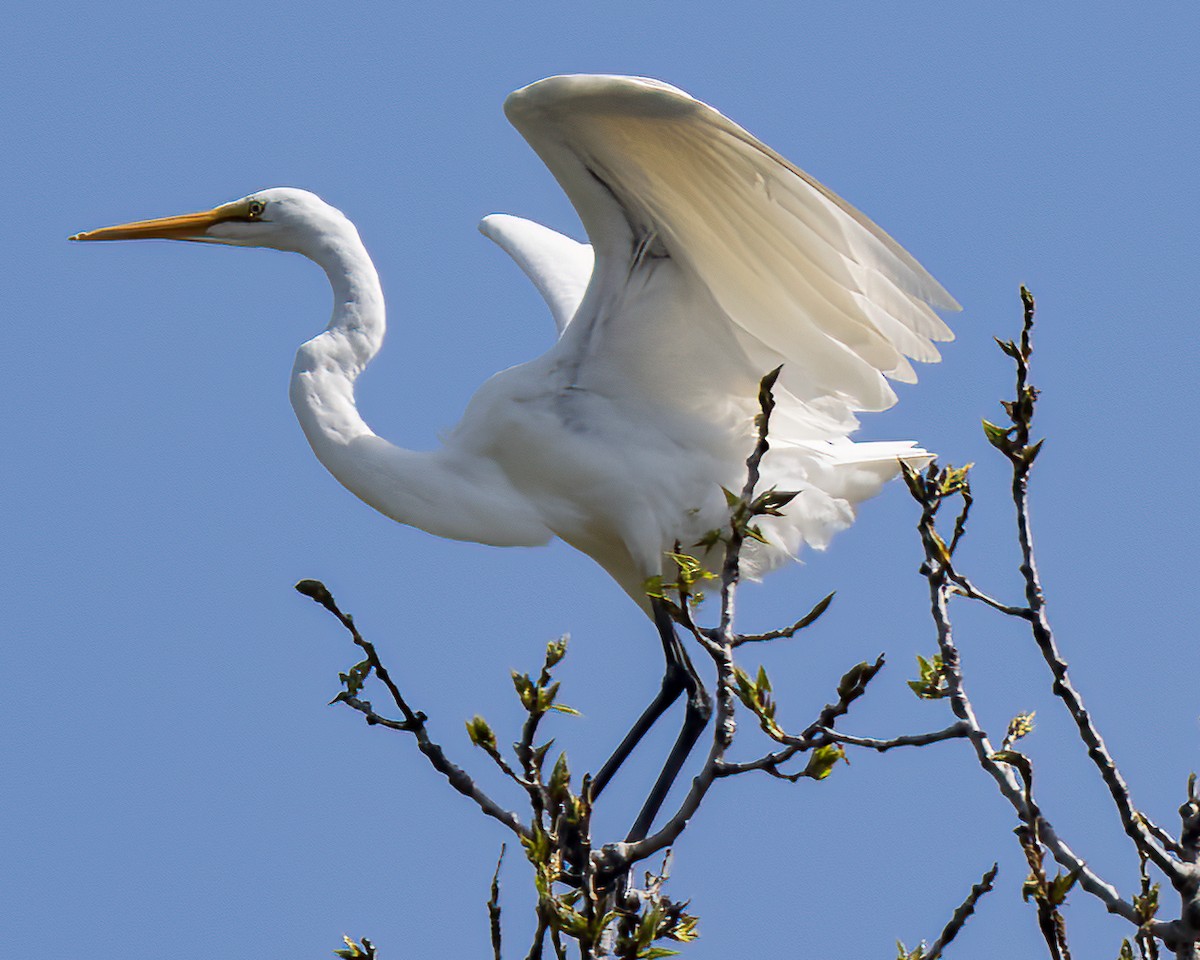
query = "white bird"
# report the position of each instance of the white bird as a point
(712, 260)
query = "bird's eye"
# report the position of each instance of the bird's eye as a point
(256, 208)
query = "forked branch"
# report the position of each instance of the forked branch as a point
(932, 488)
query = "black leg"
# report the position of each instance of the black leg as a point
(680, 676)
(697, 712)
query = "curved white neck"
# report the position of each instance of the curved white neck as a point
(447, 492)
(322, 386)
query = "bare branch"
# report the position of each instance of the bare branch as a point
(807, 620)
(1164, 837)
(493, 906)
(414, 721)
(731, 569)
(967, 589)
(955, 731)
(852, 686)
(927, 488)
(1010, 789)
(1021, 455)
(964, 911)
(539, 938)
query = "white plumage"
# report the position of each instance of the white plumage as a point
(712, 261)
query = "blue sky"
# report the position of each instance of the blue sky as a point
(175, 778)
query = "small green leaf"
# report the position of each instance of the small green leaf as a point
(560, 780)
(537, 846)
(821, 763)
(745, 687)
(1060, 886)
(953, 480)
(685, 930)
(1019, 726)
(933, 683)
(1146, 904)
(814, 614)
(997, 436)
(710, 539)
(539, 753)
(355, 951)
(691, 570)
(940, 549)
(756, 695)
(1008, 347)
(654, 588)
(913, 480)
(856, 678)
(755, 533)
(481, 734)
(556, 650)
(1029, 454)
(526, 690)
(567, 919)
(771, 502)
(355, 677)
(546, 695)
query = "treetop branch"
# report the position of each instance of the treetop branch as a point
(414, 721)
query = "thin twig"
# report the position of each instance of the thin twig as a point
(414, 721)
(507, 770)
(955, 731)
(807, 620)
(731, 569)
(853, 686)
(1164, 837)
(964, 911)
(965, 588)
(1051, 923)
(539, 937)
(493, 906)
(935, 570)
(1021, 455)
(1005, 780)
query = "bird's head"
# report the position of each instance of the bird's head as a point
(283, 218)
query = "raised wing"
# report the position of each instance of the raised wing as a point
(559, 267)
(800, 275)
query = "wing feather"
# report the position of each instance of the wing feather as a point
(800, 273)
(558, 266)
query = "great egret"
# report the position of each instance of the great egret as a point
(712, 260)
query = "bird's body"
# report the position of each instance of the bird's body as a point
(561, 446)
(712, 261)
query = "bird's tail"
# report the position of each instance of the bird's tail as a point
(833, 478)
